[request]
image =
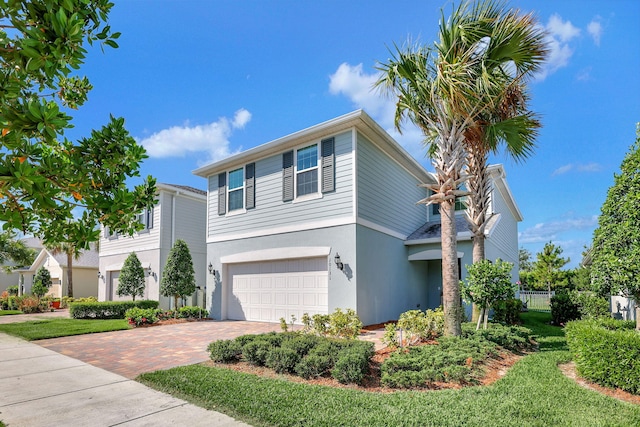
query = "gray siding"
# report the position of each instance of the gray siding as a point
(271, 212)
(145, 240)
(388, 284)
(387, 193)
(503, 242)
(342, 284)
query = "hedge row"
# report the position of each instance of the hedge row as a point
(305, 355)
(107, 309)
(606, 352)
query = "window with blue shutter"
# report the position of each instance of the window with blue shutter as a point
(222, 193)
(287, 176)
(250, 186)
(328, 164)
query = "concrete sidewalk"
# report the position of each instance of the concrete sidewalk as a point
(39, 387)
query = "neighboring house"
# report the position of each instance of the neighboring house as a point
(327, 218)
(13, 279)
(179, 214)
(84, 269)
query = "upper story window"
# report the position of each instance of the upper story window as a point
(239, 193)
(307, 170)
(146, 219)
(314, 171)
(236, 189)
(460, 206)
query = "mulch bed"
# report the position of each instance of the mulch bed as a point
(173, 322)
(569, 370)
(494, 370)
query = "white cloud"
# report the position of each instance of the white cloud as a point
(559, 34)
(579, 167)
(549, 231)
(211, 138)
(584, 75)
(357, 86)
(594, 28)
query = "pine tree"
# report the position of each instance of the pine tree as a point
(131, 280)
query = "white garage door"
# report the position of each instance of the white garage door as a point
(267, 291)
(114, 278)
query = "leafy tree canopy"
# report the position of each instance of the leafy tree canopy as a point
(616, 243)
(178, 277)
(43, 175)
(487, 283)
(41, 282)
(131, 280)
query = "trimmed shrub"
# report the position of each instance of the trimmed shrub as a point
(563, 309)
(192, 312)
(513, 338)
(390, 337)
(314, 366)
(421, 326)
(453, 360)
(344, 324)
(591, 306)
(351, 367)
(30, 304)
(507, 311)
(142, 316)
(255, 351)
(8, 302)
(224, 351)
(282, 359)
(301, 344)
(107, 309)
(606, 353)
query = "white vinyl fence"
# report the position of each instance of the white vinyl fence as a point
(537, 300)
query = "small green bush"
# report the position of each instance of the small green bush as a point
(390, 337)
(301, 344)
(192, 312)
(513, 338)
(30, 304)
(421, 326)
(314, 366)
(8, 302)
(13, 290)
(507, 311)
(563, 308)
(142, 316)
(255, 351)
(282, 359)
(320, 323)
(351, 367)
(606, 353)
(591, 306)
(344, 324)
(224, 351)
(107, 309)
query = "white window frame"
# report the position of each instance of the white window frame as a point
(145, 217)
(243, 209)
(309, 196)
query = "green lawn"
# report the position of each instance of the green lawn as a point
(9, 312)
(53, 328)
(533, 393)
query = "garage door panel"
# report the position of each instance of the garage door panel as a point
(280, 289)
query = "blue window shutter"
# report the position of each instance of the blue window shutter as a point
(250, 186)
(222, 193)
(328, 165)
(287, 176)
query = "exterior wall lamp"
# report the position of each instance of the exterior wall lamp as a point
(338, 262)
(150, 273)
(100, 276)
(212, 271)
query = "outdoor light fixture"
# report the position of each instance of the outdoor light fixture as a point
(211, 270)
(338, 261)
(150, 273)
(100, 276)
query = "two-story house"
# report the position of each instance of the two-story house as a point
(180, 213)
(327, 218)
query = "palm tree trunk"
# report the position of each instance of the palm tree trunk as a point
(450, 279)
(70, 274)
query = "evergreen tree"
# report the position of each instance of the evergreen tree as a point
(546, 270)
(41, 282)
(178, 277)
(615, 264)
(131, 280)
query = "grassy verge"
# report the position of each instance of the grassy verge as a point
(53, 328)
(533, 393)
(9, 312)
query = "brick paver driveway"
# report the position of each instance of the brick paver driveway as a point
(134, 351)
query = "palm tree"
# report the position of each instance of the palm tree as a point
(512, 48)
(72, 251)
(439, 89)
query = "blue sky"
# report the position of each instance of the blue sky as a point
(197, 81)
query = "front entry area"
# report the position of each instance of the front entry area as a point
(270, 290)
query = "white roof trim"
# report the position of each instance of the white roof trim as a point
(277, 254)
(499, 176)
(429, 255)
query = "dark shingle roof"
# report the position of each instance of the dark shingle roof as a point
(432, 229)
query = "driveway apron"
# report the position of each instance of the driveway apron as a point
(135, 351)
